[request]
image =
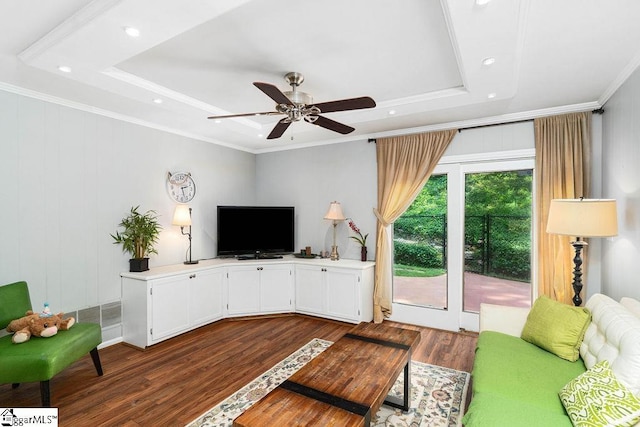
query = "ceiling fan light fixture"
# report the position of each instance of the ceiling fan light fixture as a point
(297, 106)
(298, 97)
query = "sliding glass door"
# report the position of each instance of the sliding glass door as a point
(465, 240)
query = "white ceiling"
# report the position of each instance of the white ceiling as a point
(420, 58)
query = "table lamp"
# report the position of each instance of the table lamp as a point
(182, 217)
(335, 214)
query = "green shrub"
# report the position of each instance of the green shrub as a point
(418, 254)
(511, 261)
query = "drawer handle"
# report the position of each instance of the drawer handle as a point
(192, 276)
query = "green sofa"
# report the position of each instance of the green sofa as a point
(517, 383)
(40, 359)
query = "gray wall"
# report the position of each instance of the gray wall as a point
(311, 178)
(621, 181)
(69, 176)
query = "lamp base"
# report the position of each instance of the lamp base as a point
(191, 262)
(577, 271)
(334, 253)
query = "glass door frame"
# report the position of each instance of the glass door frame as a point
(449, 317)
(453, 318)
(470, 320)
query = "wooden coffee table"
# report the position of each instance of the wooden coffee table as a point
(344, 384)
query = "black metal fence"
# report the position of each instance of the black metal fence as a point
(495, 245)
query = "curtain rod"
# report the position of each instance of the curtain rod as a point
(598, 111)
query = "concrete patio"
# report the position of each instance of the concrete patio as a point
(431, 291)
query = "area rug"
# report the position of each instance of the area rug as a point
(437, 394)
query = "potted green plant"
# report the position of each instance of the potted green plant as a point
(139, 235)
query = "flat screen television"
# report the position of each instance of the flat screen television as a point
(248, 230)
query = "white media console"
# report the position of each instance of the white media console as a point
(167, 301)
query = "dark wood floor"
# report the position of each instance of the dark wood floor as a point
(173, 382)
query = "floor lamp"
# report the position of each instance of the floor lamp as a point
(335, 214)
(582, 218)
(182, 217)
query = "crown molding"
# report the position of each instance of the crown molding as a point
(621, 79)
(494, 120)
(68, 27)
(165, 92)
(110, 114)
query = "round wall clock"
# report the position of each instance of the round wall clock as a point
(181, 187)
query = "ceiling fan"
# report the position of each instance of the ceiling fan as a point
(298, 106)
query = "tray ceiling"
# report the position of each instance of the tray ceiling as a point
(420, 60)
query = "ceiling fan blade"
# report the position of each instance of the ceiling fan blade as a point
(279, 129)
(264, 113)
(346, 104)
(332, 125)
(273, 92)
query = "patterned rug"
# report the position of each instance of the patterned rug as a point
(437, 394)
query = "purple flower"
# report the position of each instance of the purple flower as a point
(362, 240)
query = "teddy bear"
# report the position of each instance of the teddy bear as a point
(38, 324)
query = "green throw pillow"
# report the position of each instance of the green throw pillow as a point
(596, 398)
(556, 327)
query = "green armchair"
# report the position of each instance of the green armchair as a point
(40, 359)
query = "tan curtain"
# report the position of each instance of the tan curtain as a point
(562, 172)
(404, 166)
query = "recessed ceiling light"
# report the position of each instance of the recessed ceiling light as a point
(491, 95)
(488, 61)
(392, 112)
(132, 32)
(260, 135)
(217, 121)
(64, 68)
(157, 100)
(482, 2)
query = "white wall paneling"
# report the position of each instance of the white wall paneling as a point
(621, 181)
(69, 176)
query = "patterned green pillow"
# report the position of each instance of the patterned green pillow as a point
(596, 398)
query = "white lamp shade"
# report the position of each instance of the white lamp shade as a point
(583, 217)
(335, 212)
(181, 216)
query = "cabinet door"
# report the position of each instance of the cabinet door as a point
(169, 306)
(276, 289)
(309, 289)
(205, 296)
(342, 297)
(243, 290)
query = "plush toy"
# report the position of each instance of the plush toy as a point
(42, 324)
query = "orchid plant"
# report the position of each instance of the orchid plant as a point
(362, 240)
